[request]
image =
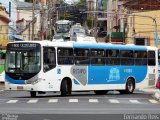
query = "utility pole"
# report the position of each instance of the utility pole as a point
(42, 18)
(50, 14)
(29, 31)
(33, 15)
(96, 15)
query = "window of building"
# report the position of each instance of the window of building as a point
(0, 27)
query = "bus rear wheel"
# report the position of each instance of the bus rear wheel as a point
(130, 86)
(100, 92)
(65, 88)
(33, 93)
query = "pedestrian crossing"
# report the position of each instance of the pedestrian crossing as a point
(114, 101)
(89, 100)
(52, 100)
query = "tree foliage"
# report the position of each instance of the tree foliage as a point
(89, 21)
(29, 1)
(82, 2)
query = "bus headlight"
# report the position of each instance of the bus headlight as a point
(36, 81)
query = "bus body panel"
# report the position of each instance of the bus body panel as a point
(115, 74)
(88, 77)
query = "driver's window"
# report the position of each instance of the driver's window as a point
(49, 58)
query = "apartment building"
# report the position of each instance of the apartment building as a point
(4, 26)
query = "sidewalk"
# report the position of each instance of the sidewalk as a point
(154, 91)
(2, 86)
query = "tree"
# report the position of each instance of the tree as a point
(81, 2)
(29, 1)
(89, 21)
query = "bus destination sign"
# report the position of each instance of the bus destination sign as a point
(23, 45)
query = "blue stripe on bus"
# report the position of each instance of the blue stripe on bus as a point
(76, 82)
(115, 74)
(108, 46)
(9, 79)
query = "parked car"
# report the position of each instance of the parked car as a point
(57, 38)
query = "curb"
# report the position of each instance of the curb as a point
(150, 91)
(157, 95)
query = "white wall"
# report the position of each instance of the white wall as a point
(13, 16)
(27, 15)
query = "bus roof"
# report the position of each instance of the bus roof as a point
(112, 46)
(90, 45)
(63, 22)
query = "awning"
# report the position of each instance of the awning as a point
(13, 37)
(5, 42)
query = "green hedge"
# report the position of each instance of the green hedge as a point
(1, 68)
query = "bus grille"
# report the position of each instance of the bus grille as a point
(152, 79)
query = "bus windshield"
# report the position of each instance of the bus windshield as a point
(62, 28)
(2, 59)
(23, 60)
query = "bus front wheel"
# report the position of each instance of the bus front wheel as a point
(33, 93)
(65, 88)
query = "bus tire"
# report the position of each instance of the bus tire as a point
(65, 88)
(130, 86)
(100, 92)
(33, 93)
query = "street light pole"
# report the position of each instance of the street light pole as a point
(96, 24)
(33, 15)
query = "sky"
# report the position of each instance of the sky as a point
(71, 1)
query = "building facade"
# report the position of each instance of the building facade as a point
(4, 26)
(28, 26)
(10, 6)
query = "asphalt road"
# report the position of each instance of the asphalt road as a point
(77, 106)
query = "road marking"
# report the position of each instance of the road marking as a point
(33, 101)
(134, 101)
(73, 100)
(12, 101)
(53, 100)
(153, 101)
(113, 101)
(93, 100)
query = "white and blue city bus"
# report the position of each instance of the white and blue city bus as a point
(62, 27)
(41, 66)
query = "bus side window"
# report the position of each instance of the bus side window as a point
(151, 58)
(113, 57)
(82, 56)
(127, 57)
(65, 56)
(49, 58)
(97, 57)
(140, 58)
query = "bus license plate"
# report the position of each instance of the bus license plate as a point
(19, 87)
